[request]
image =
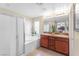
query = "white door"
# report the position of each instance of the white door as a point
(7, 34)
(20, 36)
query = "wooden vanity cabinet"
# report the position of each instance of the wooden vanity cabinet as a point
(44, 41)
(58, 44)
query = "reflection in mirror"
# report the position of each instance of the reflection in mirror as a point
(57, 24)
(62, 24)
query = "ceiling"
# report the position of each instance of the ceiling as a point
(34, 9)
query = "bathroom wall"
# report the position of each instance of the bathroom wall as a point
(76, 33)
(76, 53)
(76, 36)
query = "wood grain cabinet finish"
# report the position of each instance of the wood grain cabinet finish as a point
(44, 41)
(62, 46)
(57, 44)
(51, 43)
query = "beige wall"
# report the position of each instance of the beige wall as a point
(76, 44)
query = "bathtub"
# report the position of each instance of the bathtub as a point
(31, 44)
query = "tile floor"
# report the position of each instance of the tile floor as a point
(44, 52)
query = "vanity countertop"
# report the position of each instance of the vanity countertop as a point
(56, 35)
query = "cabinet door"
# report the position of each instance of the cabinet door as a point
(51, 43)
(61, 46)
(44, 41)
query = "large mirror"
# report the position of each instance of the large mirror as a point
(57, 24)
